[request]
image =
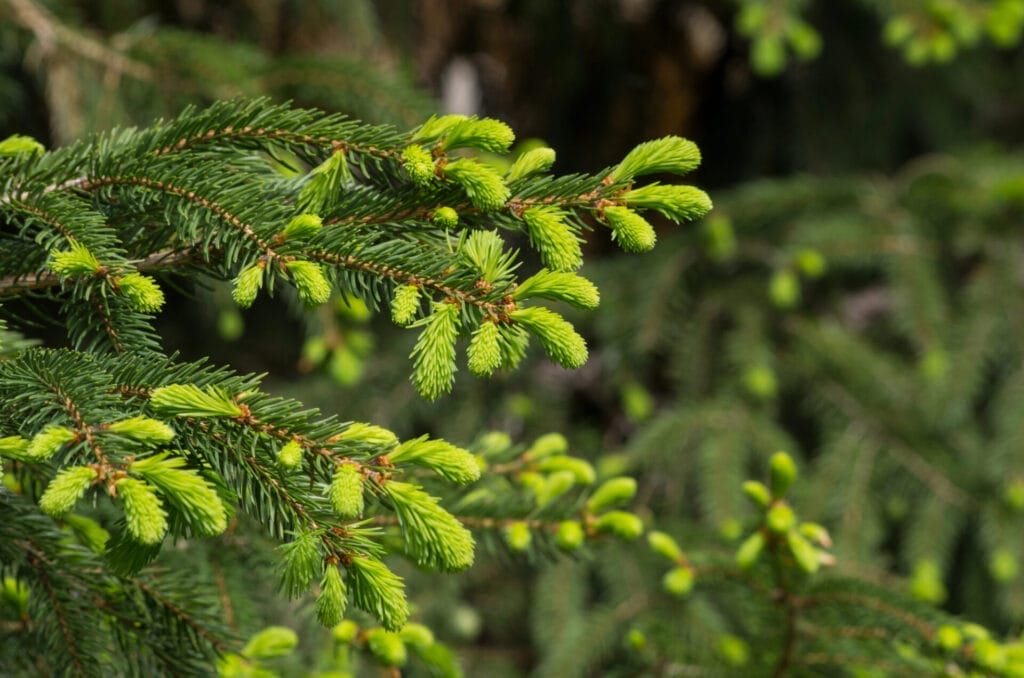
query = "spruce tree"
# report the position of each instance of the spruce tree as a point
(117, 452)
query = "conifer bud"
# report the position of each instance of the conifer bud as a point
(518, 535)
(676, 203)
(346, 491)
(760, 382)
(570, 535)
(417, 635)
(664, 545)
(433, 537)
(345, 632)
(780, 518)
(289, 457)
(531, 162)
(757, 493)
(46, 443)
(15, 593)
(14, 447)
(451, 462)
(437, 126)
(611, 492)
(678, 581)
(19, 144)
(811, 263)
(784, 289)
(670, 154)
(1003, 565)
(386, 647)
(560, 285)
(434, 354)
(141, 291)
(143, 429)
(65, 489)
(557, 336)
(378, 590)
(817, 534)
(330, 604)
(750, 550)
(554, 486)
(186, 490)
(247, 285)
(548, 445)
(485, 134)
(631, 231)
(783, 473)
(310, 282)
(273, 641)
(926, 582)
(489, 445)
(550, 235)
(719, 237)
(189, 400)
(300, 562)
(143, 511)
(368, 434)
(484, 186)
(303, 226)
(76, 261)
(622, 524)
(805, 555)
(418, 164)
(949, 638)
(405, 304)
(580, 468)
(445, 217)
(484, 354)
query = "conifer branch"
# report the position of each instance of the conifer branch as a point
(35, 559)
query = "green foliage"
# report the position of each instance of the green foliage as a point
(338, 498)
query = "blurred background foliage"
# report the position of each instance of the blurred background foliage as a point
(855, 298)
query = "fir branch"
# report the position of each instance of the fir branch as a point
(35, 559)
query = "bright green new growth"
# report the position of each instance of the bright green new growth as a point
(290, 455)
(580, 468)
(518, 535)
(378, 590)
(570, 535)
(484, 353)
(550, 235)
(547, 445)
(20, 144)
(302, 226)
(323, 182)
(434, 354)
(387, 647)
(610, 493)
(631, 231)
(247, 285)
(185, 490)
(46, 443)
(433, 537)
(485, 134)
(485, 251)
(65, 489)
(76, 261)
(300, 562)
(448, 461)
(14, 447)
(405, 304)
(676, 203)
(330, 604)
(561, 285)
(553, 487)
(310, 282)
(673, 155)
(624, 525)
(783, 473)
(143, 429)
(189, 400)
(556, 335)
(533, 161)
(369, 434)
(664, 545)
(143, 511)
(445, 217)
(419, 164)
(142, 292)
(273, 641)
(484, 186)
(437, 126)
(346, 491)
